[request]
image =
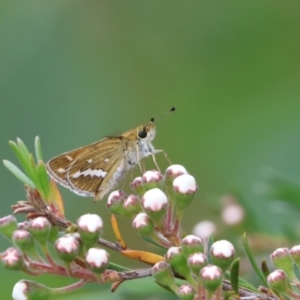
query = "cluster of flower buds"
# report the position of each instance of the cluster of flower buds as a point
(158, 203)
(78, 251)
(283, 280)
(203, 272)
(155, 208)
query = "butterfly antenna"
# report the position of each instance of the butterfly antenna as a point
(169, 111)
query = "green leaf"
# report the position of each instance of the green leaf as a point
(234, 275)
(25, 158)
(209, 243)
(22, 147)
(265, 268)
(43, 180)
(116, 267)
(18, 173)
(38, 149)
(252, 261)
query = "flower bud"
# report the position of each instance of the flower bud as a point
(295, 254)
(281, 259)
(23, 225)
(191, 244)
(29, 290)
(204, 229)
(163, 274)
(143, 225)
(222, 254)
(40, 228)
(184, 189)
(154, 203)
(186, 292)
(115, 203)
(152, 179)
(174, 171)
(196, 262)
(232, 214)
(278, 281)
(23, 240)
(90, 228)
(67, 248)
(97, 260)
(132, 205)
(211, 277)
(176, 259)
(12, 259)
(8, 225)
(137, 186)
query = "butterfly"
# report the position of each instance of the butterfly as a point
(95, 169)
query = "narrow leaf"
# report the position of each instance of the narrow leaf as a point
(234, 275)
(18, 173)
(43, 180)
(38, 149)
(265, 268)
(22, 147)
(116, 267)
(146, 257)
(117, 232)
(23, 156)
(252, 261)
(56, 198)
(209, 243)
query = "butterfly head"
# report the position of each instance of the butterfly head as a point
(147, 132)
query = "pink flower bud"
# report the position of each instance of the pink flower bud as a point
(8, 225)
(152, 179)
(155, 204)
(204, 229)
(97, 260)
(132, 204)
(282, 259)
(162, 273)
(137, 186)
(143, 224)
(67, 248)
(222, 254)
(40, 228)
(196, 262)
(211, 277)
(23, 239)
(191, 244)
(115, 203)
(186, 292)
(90, 229)
(12, 259)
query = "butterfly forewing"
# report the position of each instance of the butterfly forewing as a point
(84, 169)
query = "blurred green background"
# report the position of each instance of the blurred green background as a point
(73, 72)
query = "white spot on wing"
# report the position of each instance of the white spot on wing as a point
(106, 160)
(61, 170)
(69, 157)
(90, 172)
(89, 160)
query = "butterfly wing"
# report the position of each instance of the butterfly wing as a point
(86, 169)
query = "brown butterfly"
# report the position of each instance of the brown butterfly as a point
(95, 169)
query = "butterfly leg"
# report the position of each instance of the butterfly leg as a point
(154, 160)
(142, 166)
(167, 157)
(165, 154)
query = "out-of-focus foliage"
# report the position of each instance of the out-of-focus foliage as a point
(73, 72)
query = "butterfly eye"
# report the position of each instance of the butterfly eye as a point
(142, 134)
